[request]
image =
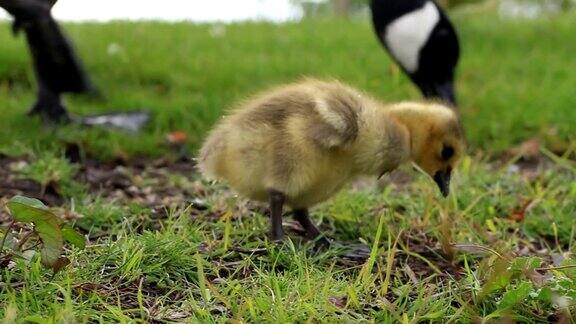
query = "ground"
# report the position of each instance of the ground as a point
(165, 245)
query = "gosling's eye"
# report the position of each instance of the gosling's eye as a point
(447, 152)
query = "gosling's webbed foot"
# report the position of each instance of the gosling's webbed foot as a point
(303, 217)
(322, 242)
(311, 231)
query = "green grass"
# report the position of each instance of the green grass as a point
(154, 274)
(515, 79)
(465, 259)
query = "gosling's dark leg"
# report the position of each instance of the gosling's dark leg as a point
(312, 232)
(276, 203)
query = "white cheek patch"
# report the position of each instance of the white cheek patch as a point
(406, 35)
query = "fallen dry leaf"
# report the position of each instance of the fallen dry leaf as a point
(529, 149)
(339, 302)
(519, 214)
(177, 137)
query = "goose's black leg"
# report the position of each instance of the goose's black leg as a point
(55, 64)
(55, 61)
(312, 232)
(276, 204)
(57, 68)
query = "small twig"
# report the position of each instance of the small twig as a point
(23, 240)
(570, 266)
(256, 251)
(563, 162)
(6, 235)
(14, 285)
(32, 247)
(9, 256)
(480, 247)
(418, 256)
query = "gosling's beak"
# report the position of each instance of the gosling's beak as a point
(442, 179)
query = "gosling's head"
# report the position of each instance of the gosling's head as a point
(436, 139)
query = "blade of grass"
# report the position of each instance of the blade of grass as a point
(389, 263)
(202, 279)
(364, 275)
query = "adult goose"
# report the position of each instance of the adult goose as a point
(422, 40)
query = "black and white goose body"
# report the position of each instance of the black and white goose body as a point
(422, 40)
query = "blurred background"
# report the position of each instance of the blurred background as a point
(272, 10)
(186, 62)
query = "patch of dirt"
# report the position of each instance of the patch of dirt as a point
(161, 185)
(527, 159)
(429, 251)
(12, 184)
(156, 184)
(152, 184)
(160, 303)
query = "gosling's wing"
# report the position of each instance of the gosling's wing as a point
(337, 120)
